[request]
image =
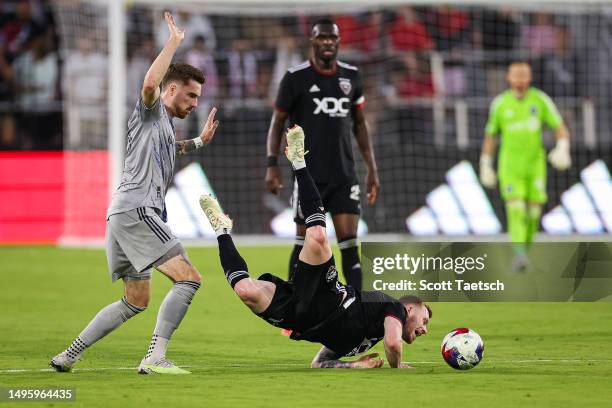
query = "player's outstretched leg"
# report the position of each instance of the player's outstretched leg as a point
(256, 294)
(310, 200)
(107, 320)
(316, 253)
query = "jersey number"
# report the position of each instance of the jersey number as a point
(355, 192)
(365, 345)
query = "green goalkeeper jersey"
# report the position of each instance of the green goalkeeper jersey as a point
(520, 123)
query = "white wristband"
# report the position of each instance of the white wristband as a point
(198, 142)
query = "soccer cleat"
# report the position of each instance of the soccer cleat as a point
(520, 263)
(295, 144)
(161, 366)
(63, 363)
(218, 220)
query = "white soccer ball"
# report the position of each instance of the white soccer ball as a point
(462, 349)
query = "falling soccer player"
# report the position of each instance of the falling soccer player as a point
(314, 305)
(519, 116)
(137, 237)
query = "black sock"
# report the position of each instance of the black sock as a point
(297, 248)
(309, 199)
(234, 266)
(351, 267)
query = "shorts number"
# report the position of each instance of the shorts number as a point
(365, 345)
(355, 192)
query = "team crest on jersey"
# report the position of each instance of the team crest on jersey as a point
(533, 110)
(331, 274)
(345, 85)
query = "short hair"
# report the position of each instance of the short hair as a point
(322, 21)
(182, 72)
(519, 62)
(411, 299)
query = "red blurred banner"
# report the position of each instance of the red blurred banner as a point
(50, 196)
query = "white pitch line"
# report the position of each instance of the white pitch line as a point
(42, 370)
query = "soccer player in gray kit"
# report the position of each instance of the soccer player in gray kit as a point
(137, 237)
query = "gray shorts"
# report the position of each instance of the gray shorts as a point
(136, 241)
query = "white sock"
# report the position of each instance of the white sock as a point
(157, 348)
(298, 164)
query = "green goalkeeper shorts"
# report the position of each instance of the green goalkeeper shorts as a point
(530, 188)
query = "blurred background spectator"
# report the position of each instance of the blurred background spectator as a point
(140, 58)
(194, 24)
(200, 57)
(36, 79)
(408, 33)
(449, 27)
(287, 55)
(539, 35)
(242, 70)
(499, 30)
(85, 86)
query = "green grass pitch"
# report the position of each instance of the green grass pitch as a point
(536, 354)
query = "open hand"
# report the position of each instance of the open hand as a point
(176, 33)
(210, 127)
(369, 361)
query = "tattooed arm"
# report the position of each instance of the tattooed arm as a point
(185, 146)
(188, 146)
(327, 358)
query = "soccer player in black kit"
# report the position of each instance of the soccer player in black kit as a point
(315, 306)
(325, 97)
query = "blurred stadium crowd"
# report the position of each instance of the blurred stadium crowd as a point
(45, 84)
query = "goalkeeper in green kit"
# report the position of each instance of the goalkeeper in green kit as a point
(519, 115)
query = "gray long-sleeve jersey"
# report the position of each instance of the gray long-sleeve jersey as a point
(149, 160)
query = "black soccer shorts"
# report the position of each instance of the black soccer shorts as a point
(314, 293)
(336, 198)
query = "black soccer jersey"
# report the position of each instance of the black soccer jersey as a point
(323, 106)
(362, 325)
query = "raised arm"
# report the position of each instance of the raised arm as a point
(362, 136)
(152, 80)
(274, 181)
(327, 358)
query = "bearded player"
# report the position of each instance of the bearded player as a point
(314, 305)
(137, 237)
(519, 115)
(325, 97)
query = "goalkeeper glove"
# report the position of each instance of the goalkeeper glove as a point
(559, 157)
(487, 173)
